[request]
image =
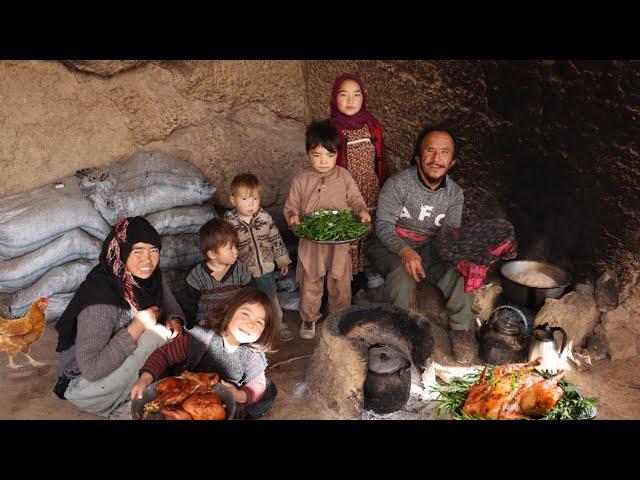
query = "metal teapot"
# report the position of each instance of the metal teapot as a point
(543, 344)
(504, 337)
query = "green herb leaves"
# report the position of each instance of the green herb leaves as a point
(331, 225)
(572, 405)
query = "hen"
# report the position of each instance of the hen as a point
(515, 391)
(18, 335)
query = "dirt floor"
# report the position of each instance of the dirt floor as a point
(26, 393)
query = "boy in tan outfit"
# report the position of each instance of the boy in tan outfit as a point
(324, 186)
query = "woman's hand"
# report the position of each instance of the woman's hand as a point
(143, 382)
(284, 270)
(412, 263)
(365, 217)
(143, 320)
(294, 221)
(239, 396)
(175, 325)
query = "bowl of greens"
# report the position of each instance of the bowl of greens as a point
(331, 227)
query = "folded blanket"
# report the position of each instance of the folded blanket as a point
(473, 248)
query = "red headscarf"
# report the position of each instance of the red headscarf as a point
(354, 122)
(345, 122)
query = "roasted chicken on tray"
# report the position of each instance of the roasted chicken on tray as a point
(187, 398)
(515, 391)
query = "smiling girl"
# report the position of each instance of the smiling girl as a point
(232, 344)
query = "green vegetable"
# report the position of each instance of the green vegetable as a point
(328, 225)
(572, 405)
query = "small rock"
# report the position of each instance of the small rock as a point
(596, 347)
(621, 344)
(607, 291)
(486, 299)
(586, 288)
(582, 361)
(576, 313)
(619, 335)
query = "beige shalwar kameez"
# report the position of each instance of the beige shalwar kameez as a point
(311, 191)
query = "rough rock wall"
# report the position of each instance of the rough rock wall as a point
(552, 146)
(226, 117)
(572, 154)
(407, 95)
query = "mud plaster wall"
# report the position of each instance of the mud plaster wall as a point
(226, 117)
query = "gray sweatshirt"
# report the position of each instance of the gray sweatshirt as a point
(410, 214)
(103, 341)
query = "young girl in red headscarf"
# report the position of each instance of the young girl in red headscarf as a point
(361, 152)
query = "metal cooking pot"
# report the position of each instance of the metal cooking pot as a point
(388, 382)
(527, 295)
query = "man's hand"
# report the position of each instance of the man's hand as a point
(294, 221)
(175, 325)
(365, 217)
(412, 263)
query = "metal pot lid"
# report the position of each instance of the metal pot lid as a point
(385, 359)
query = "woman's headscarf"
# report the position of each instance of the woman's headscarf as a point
(110, 283)
(354, 122)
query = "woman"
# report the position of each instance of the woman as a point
(121, 313)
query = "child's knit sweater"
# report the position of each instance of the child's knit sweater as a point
(260, 246)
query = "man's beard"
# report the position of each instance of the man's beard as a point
(431, 179)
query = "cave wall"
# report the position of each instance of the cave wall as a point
(407, 95)
(550, 145)
(572, 157)
(226, 117)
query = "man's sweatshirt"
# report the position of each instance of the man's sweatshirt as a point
(410, 214)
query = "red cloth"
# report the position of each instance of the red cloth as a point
(355, 122)
(175, 353)
(473, 274)
(473, 248)
(502, 248)
(410, 234)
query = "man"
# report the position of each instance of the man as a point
(412, 206)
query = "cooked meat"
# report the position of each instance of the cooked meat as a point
(515, 391)
(204, 380)
(171, 383)
(175, 413)
(205, 406)
(542, 396)
(189, 396)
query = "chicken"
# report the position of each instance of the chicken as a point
(173, 392)
(205, 406)
(515, 391)
(18, 335)
(175, 413)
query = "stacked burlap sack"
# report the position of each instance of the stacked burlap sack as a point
(51, 237)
